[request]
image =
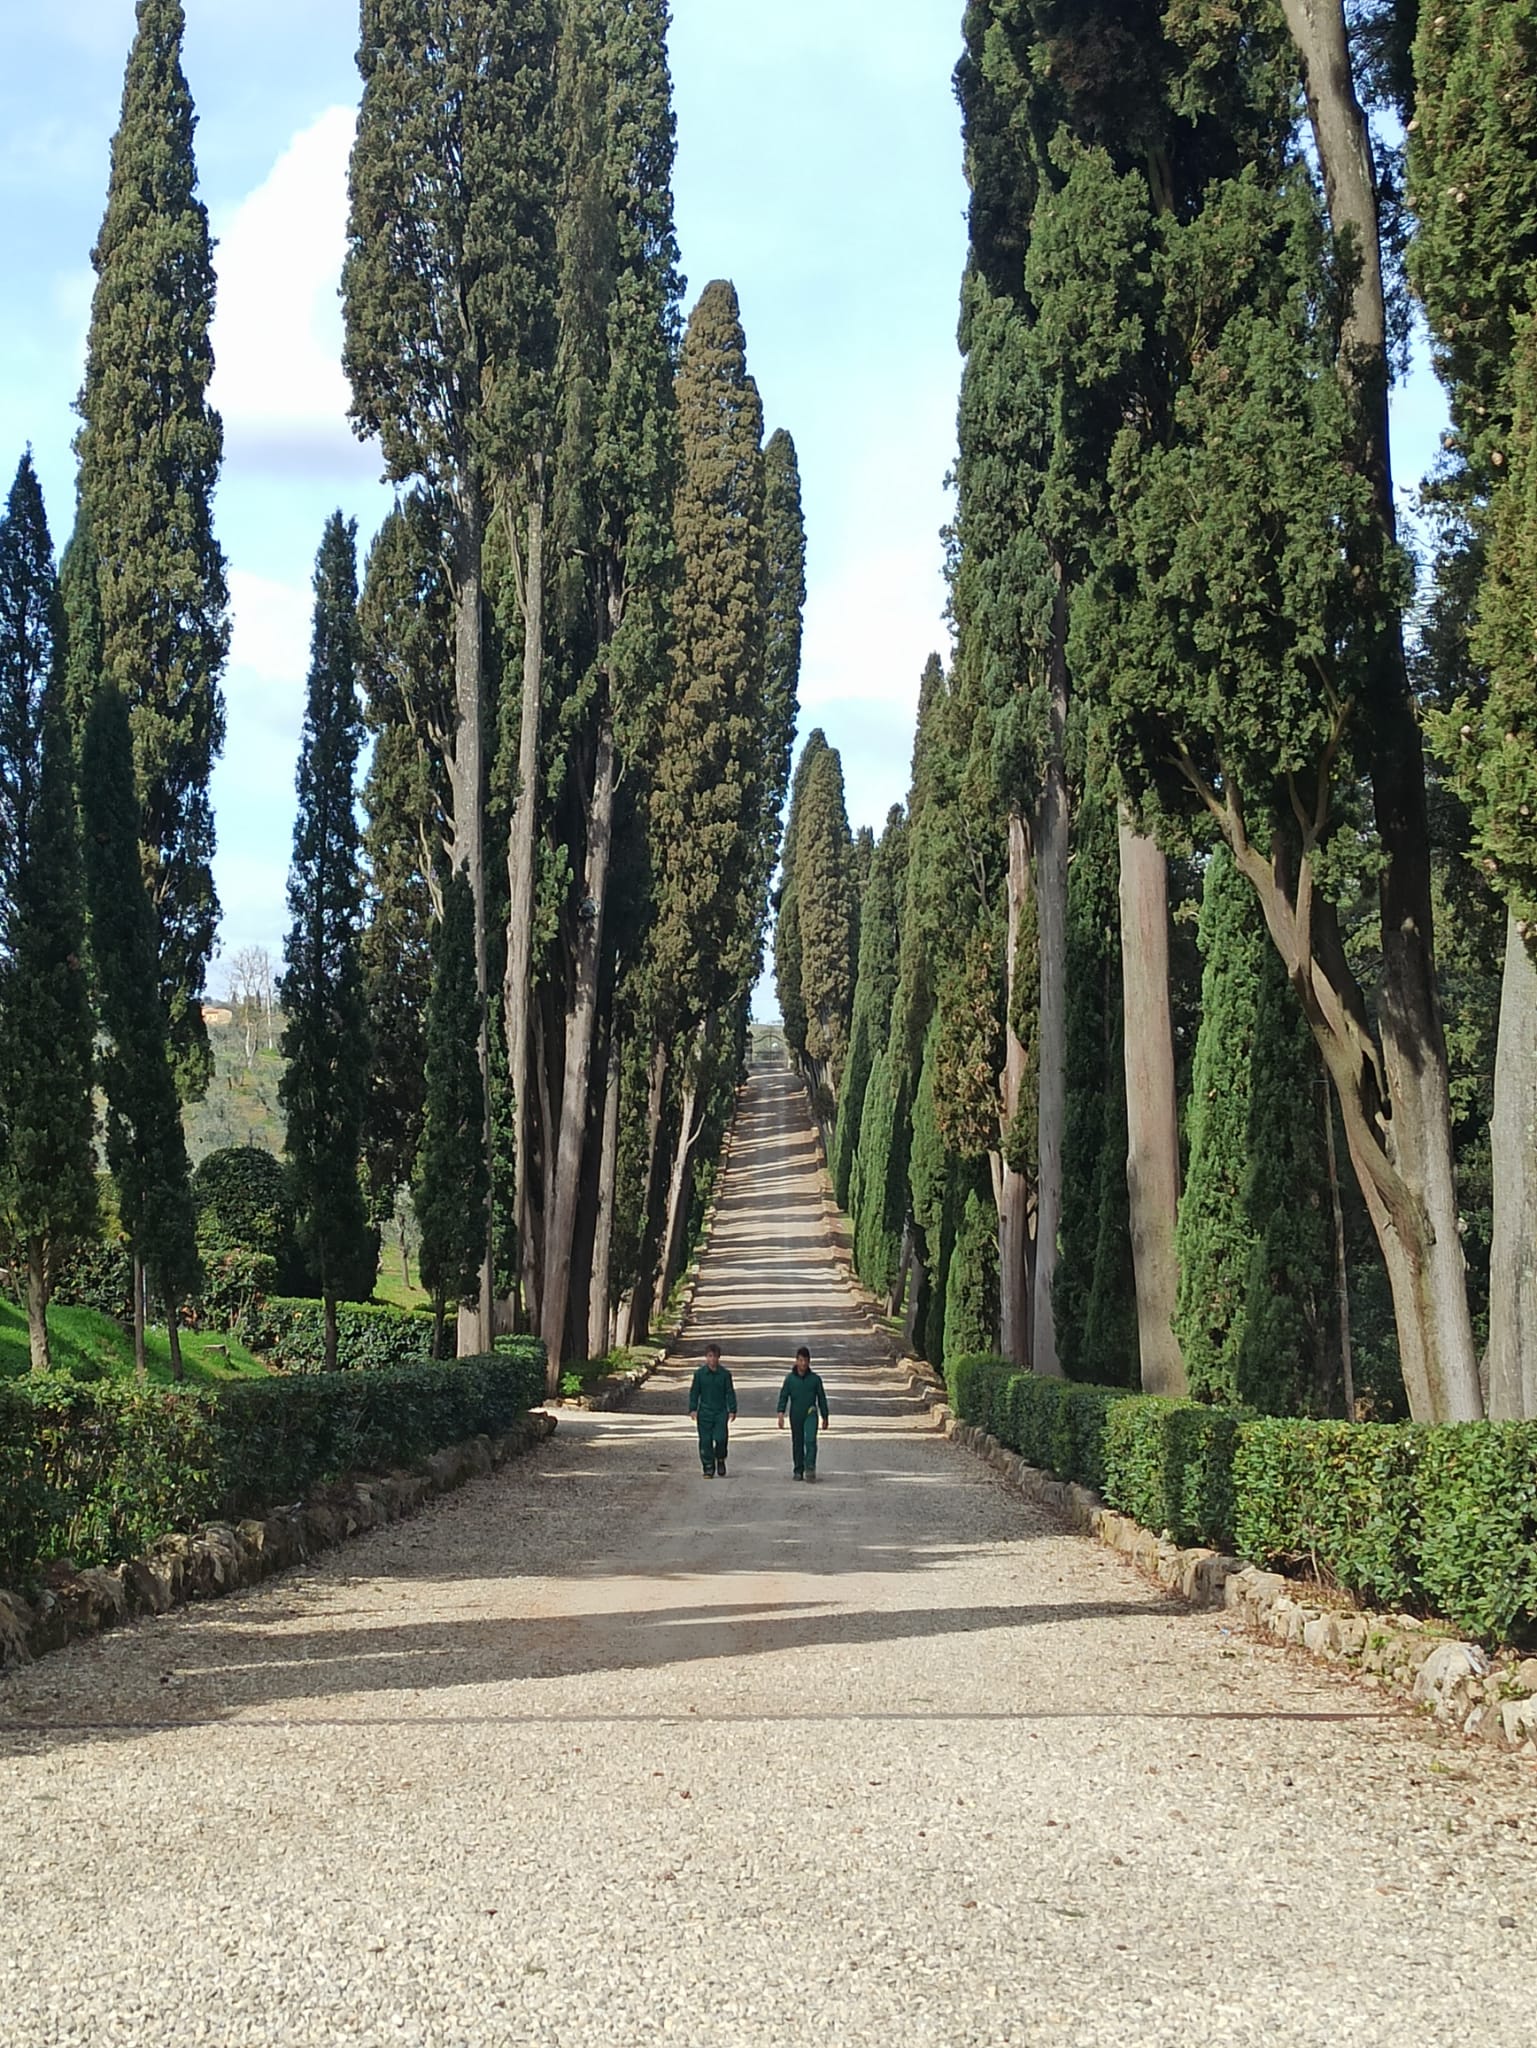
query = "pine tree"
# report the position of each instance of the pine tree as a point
(324, 1087)
(161, 596)
(47, 1176)
(146, 1146)
(406, 630)
(450, 1186)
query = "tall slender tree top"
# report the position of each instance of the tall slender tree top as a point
(784, 532)
(150, 446)
(449, 283)
(31, 647)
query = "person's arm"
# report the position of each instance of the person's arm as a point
(731, 1397)
(822, 1404)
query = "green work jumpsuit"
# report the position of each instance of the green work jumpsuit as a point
(805, 1398)
(712, 1401)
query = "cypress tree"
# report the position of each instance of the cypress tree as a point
(47, 1174)
(1216, 1237)
(787, 933)
(449, 296)
(1473, 178)
(324, 1087)
(971, 1288)
(449, 1189)
(875, 991)
(161, 596)
(824, 884)
(784, 546)
(406, 629)
(146, 1146)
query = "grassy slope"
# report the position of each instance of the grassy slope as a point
(89, 1346)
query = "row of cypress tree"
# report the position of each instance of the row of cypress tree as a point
(580, 655)
(516, 987)
(1190, 701)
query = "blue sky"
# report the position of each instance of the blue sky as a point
(819, 167)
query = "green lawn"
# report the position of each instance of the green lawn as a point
(89, 1346)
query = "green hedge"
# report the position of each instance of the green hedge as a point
(99, 1472)
(370, 1336)
(1439, 1519)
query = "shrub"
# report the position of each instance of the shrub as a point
(370, 1336)
(98, 1473)
(244, 1203)
(97, 1275)
(1169, 1465)
(1334, 1498)
(1475, 1524)
(1057, 1425)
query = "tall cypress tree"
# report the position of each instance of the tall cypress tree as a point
(406, 631)
(449, 1190)
(449, 294)
(1473, 165)
(875, 991)
(824, 885)
(47, 1174)
(324, 1086)
(146, 1146)
(787, 931)
(150, 447)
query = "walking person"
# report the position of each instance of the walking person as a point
(805, 1399)
(712, 1403)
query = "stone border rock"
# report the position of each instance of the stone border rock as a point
(226, 1557)
(1490, 1699)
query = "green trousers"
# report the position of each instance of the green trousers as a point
(713, 1439)
(803, 1440)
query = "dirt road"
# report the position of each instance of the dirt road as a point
(598, 1752)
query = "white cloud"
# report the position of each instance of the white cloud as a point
(271, 636)
(872, 625)
(278, 330)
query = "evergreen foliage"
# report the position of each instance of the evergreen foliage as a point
(324, 1088)
(824, 887)
(971, 1287)
(146, 1147)
(161, 602)
(449, 1192)
(47, 1168)
(875, 991)
(787, 932)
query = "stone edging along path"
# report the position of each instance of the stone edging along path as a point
(226, 1557)
(1490, 1699)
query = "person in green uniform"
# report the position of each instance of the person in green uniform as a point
(804, 1398)
(712, 1403)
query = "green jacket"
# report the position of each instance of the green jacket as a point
(713, 1393)
(801, 1393)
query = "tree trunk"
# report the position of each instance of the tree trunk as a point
(468, 775)
(439, 1322)
(600, 1314)
(140, 1360)
(1341, 1263)
(677, 1190)
(1051, 865)
(521, 843)
(1011, 1188)
(1418, 1134)
(641, 1300)
(1152, 1115)
(1513, 1136)
(581, 1027)
(37, 1303)
(173, 1339)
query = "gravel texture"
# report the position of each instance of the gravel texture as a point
(599, 1752)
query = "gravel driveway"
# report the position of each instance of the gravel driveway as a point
(598, 1752)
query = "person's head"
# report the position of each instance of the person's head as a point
(712, 1357)
(803, 1361)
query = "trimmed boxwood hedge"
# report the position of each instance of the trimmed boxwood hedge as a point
(370, 1336)
(98, 1472)
(1440, 1519)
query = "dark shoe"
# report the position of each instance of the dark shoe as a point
(720, 1468)
(811, 1478)
(709, 1471)
(797, 1475)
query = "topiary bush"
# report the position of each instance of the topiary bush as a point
(1333, 1498)
(1169, 1465)
(1475, 1525)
